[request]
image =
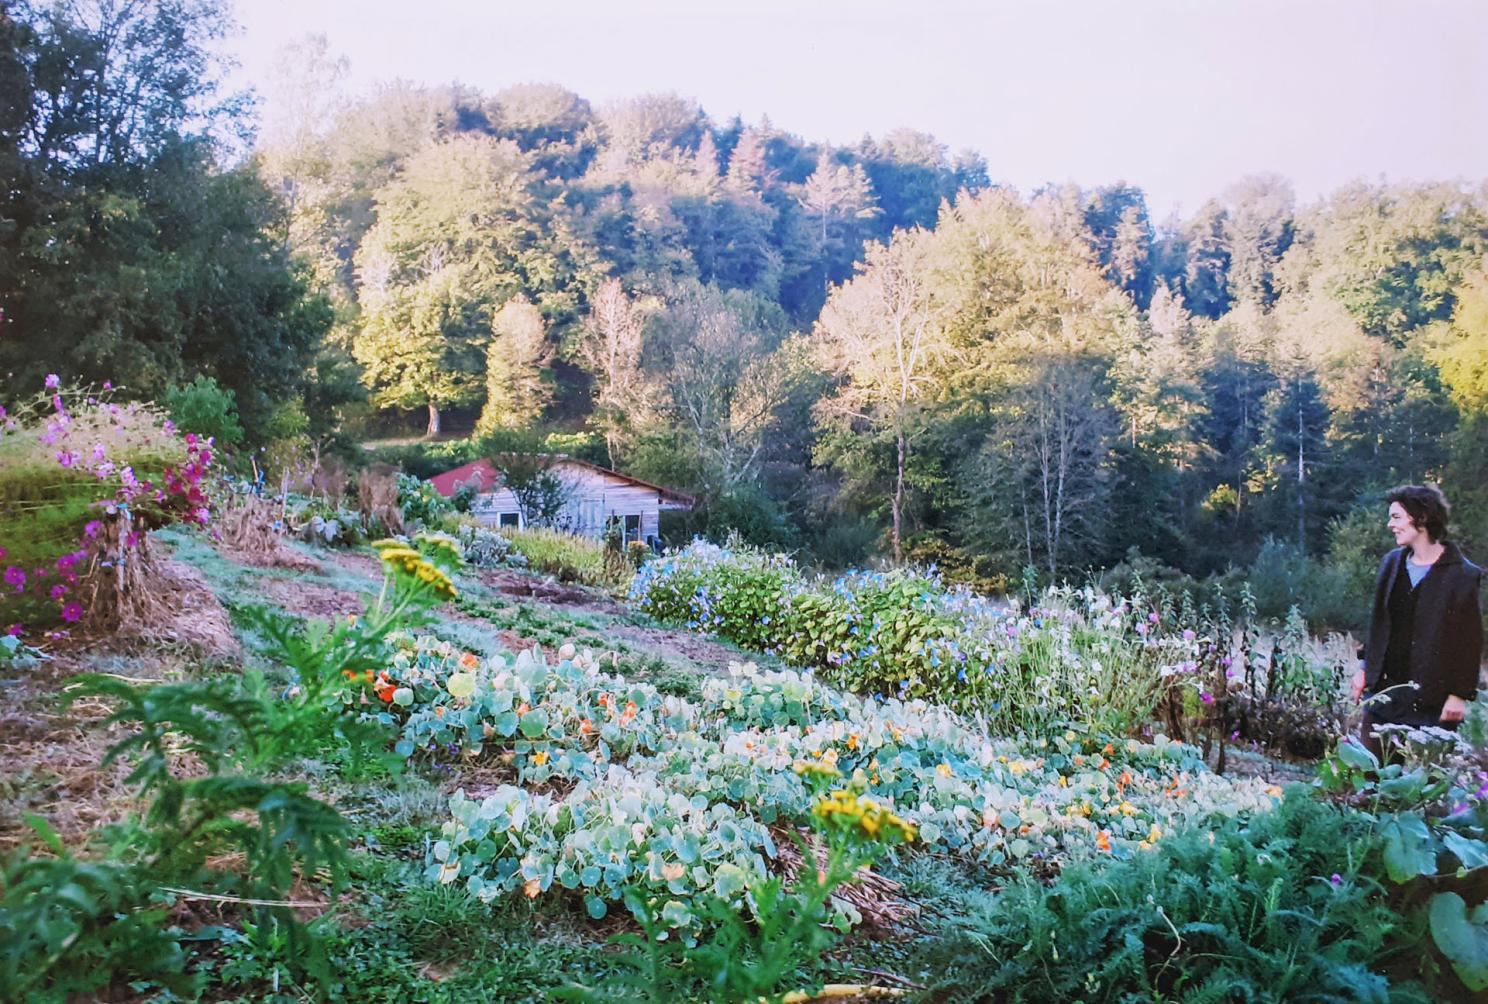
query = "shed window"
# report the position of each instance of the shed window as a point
(632, 528)
(511, 519)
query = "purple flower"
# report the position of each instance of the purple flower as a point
(1337, 879)
(58, 592)
(72, 612)
(1188, 634)
(1206, 697)
(1152, 617)
(15, 577)
(14, 631)
(99, 452)
(169, 427)
(108, 385)
(127, 476)
(57, 402)
(91, 530)
(67, 458)
(53, 381)
(3, 412)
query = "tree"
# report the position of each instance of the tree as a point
(725, 375)
(878, 334)
(610, 349)
(456, 235)
(839, 198)
(1047, 459)
(1258, 228)
(122, 229)
(516, 390)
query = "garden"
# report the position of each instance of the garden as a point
(289, 747)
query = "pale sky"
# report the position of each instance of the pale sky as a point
(1181, 97)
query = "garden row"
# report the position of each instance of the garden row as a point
(1035, 664)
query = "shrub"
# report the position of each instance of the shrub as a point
(206, 409)
(570, 558)
(1286, 905)
(421, 502)
(1076, 658)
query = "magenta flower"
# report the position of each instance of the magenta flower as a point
(58, 592)
(99, 452)
(1188, 634)
(169, 427)
(72, 612)
(108, 385)
(53, 381)
(1206, 697)
(15, 577)
(67, 458)
(1152, 617)
(1337, 879)
(91, 530)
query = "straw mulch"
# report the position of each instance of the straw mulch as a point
(877, 898)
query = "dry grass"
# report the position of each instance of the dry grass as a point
(877, 898)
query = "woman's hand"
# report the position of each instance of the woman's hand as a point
(1357, 687)
(1454, 709)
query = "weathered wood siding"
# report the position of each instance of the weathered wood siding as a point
(596, 498)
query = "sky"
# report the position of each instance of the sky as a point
(1180, 97)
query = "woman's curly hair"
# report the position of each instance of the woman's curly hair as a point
(1426, 506)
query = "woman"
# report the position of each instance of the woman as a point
(1420, 665)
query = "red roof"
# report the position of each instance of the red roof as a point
(482, 472)
(486, 477)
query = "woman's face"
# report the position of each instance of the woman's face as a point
(1406, 533)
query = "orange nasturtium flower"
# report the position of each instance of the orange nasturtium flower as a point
(523, 708)
(540, 757)
(469, 660)
(531, 888)
(585, 727)
(439, 711)
(1103, 841)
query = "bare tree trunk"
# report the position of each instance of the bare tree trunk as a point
(899, 493)
(1301, 479)
(433, 430)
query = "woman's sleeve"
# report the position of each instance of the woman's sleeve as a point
(1465, 682)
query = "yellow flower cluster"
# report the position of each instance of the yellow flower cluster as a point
(846, 810)
(400, 557)
(812, 770)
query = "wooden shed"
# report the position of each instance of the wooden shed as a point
(595, 495)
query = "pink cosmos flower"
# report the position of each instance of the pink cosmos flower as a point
(15, 577)
(67, 458)
(53, 381)
(72, 612)
(99, 452)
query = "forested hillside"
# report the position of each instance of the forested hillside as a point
(857, 350)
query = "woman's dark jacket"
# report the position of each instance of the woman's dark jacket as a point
(1447, 646)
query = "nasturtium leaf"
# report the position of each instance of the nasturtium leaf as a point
(460, 685)
(596, 907)
(403, 697)
(505, 723)
(534, 723)
(404, 748)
